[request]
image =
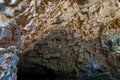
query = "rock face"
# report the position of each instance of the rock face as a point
(76, 39)
(72, 37)
(61, 52)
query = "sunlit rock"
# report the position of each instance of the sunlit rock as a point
(8, 50)
(65, 36)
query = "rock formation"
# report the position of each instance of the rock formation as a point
(71, 37)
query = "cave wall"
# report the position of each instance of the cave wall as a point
(67, 36)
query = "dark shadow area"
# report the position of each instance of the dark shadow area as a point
(62, 56)
(44, 61)
(48, 75)
(36, 72)
(27, 76)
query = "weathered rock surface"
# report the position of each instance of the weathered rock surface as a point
(61, 52)
(75, 38)
(78, 37)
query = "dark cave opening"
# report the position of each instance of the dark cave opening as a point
(49, 75)
(35, 73)
(35, 77)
